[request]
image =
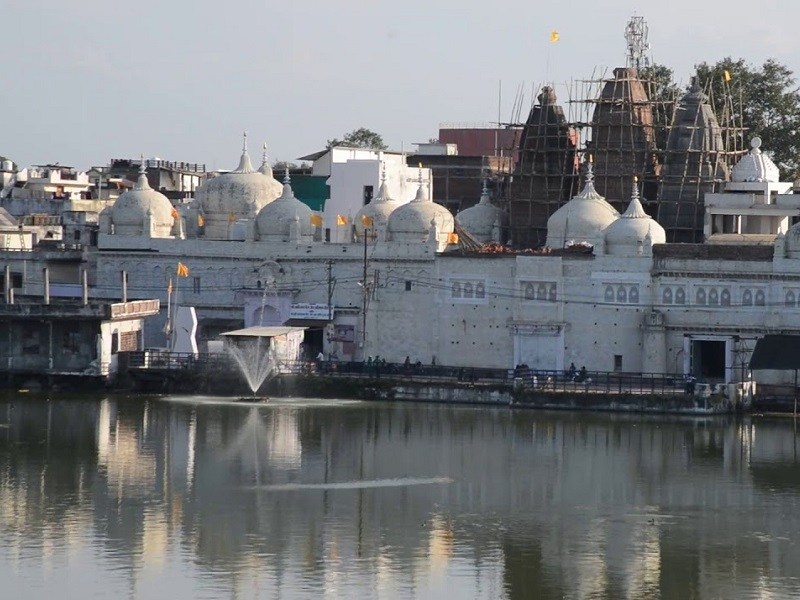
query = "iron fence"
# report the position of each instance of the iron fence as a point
(588, 382)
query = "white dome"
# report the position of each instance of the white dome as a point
(582, 219)
(274, 221)
(755, 166)
(239, 194)
(412, 222)
(378, 210)
(479, 221)
(627, 235)
(132, 210)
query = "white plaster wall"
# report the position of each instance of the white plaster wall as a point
(347, 181)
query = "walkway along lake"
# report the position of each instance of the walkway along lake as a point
(170, 372)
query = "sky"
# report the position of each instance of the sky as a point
(88, 80)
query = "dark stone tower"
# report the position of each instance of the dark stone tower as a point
(546, 175)
(623, 138)
(694, 163)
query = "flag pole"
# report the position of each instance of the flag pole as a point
(169, 312)
(175, 314)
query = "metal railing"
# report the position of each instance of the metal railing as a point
(589, 382)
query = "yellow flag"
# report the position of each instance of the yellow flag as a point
(341, 220)
(367, 221)
(726, 75)
(201, 220)
(174, 213)
(316, 220)
(452, 238)
(182, 270)
(554, 37)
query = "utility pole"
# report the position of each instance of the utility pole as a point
(364, 302)
(330, 290)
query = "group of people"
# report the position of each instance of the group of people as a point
(575, 375)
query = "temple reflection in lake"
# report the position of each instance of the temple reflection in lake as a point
(189, 497)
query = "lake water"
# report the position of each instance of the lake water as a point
(189, 497)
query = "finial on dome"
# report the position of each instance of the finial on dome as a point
(383, 173)
(264, 153)
(635, 190)
(419, 176)
(244, 162)
(589, 175)
(485, 191)
(141, 182)
(755, 143)
(286, 179)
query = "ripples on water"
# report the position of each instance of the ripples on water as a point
(195, 497)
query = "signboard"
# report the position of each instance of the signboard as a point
(312, 312)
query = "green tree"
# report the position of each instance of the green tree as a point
(764, 100)
(360, 138)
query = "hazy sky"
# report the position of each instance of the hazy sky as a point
(92, 79)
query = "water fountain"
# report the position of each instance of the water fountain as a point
(255, 355)
(255, 359)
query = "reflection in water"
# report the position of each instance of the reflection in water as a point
(151, 499)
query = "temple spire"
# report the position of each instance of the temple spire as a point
(141, 182)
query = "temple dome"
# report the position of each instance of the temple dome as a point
(627, 235)
(755, 166)
(412, 222)
(275, 220)
(136, 208)
(480, 220)
(378, 210)
(240, 194)
(582, 219)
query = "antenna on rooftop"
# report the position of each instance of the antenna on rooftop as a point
(636, 33)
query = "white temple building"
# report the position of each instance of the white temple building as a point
(607, 293)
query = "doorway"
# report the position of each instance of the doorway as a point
(708, 360)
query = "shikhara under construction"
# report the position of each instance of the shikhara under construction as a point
(679, 147)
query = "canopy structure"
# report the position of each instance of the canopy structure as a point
(776, 352)
(259, 331)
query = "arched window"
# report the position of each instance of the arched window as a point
(666, 297)
(713, 297)
(609, 294)
(480, 290)
(456, 290)
(552, 294)
(467, 290)
(747, 298)
(700, 298)
(725, 297)
(760, 298)
(680, 296)
(541, 292)
(622, 294)
(790, 298)
(530, 291)
(633, 294)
